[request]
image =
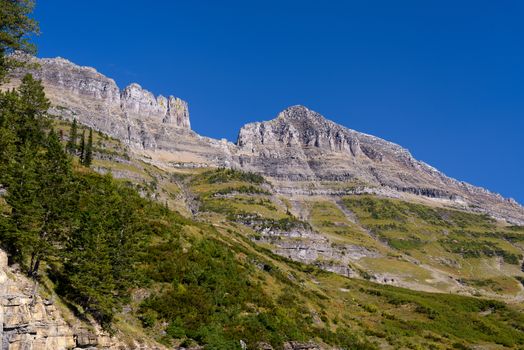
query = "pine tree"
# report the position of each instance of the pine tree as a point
(73, 135)
(15, 26)
(88, 157)
(38, 173)
(82, 147)
(32, 111)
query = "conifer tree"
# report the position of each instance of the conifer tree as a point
(82, 147)
(15, 25)
(88, 157)
(73, 135)
(39, 180)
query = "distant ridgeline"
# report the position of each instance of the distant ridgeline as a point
(298, 148)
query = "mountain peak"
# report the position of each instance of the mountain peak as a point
(299, 112)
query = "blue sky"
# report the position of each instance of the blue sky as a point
(444, 79)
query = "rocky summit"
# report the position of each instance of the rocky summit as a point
(302, 152)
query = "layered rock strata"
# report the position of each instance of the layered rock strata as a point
(300, 151)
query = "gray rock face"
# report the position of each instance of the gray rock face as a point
(301, 145)
(139, 104)
(301, 151)
(133, 115)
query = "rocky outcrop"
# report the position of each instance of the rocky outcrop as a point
(299, 242)
(29, 321)
(133, 115)
(138, 103)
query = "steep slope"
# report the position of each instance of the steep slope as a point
(211, 278)
(301, 145)
(151, 125)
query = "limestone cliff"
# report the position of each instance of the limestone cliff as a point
(302, 145)
(133, 115)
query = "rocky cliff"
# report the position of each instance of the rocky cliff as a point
(133, 114)
(300, 145)
(29, 321)
(300, 150)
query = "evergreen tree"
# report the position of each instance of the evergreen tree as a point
(15, 25)
(82, 147)
(73, 135)
(102, 249)
(8, 131)
(38, 178)
(32, 111)
(88, 157)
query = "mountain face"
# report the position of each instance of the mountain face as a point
(240, 262)
(300, 150)
(301, 145)
(132, 114)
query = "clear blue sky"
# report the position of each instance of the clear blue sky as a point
(445, 79)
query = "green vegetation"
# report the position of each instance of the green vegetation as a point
(229, 175)
(71, 146)
(469, 248)
(214, 297)
(445, 316)
(87, 156)
(15, 27)
(411, 227)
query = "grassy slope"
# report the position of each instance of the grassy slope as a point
(474, 248)
(207, 277)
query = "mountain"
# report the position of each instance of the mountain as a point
(300, 151)
(303, 234)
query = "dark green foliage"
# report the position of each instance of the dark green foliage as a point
(86, 226)
(15, 26)
(209, 295)
(402, 212)
(88, 156)
(242, 189)
(102, 250)
(35, 173)
(229, 175)
(478, 248)
(405, 243)
(451, 315)
(82, 148)
(71, 145)
(408, 226)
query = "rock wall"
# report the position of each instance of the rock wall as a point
(27, 320)
(133, 115)
(300, 145)
(30, 322)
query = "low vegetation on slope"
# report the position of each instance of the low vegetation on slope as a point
(104, 246)
(481, 252)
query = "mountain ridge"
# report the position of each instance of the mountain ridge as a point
(296, 147)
